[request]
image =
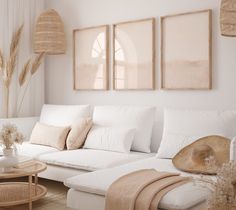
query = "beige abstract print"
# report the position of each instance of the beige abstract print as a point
(186, 51)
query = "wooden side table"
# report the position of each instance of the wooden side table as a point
(17, 193)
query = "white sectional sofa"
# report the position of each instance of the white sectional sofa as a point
(68, 163)
(87, 191)
(89, 172)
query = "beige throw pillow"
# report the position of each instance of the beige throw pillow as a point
(49, 135)
(78, 133)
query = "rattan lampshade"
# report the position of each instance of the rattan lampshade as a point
(49, 34)
(228, 18)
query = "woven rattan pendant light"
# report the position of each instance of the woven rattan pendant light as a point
(228, 18)
(49, 34)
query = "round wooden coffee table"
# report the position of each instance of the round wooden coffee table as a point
(17, 193)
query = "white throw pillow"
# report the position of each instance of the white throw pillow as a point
(49, 135)
(140, 118)
(183, 127)
(110, 139)
(63, 115)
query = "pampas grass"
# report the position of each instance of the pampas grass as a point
(7, 68)
(24, 72)
(37, 62)
(34, 67)
(8, 71)
(16, 40)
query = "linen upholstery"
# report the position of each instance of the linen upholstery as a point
(49, 135)
(78, 133)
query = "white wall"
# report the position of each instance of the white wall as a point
(84, 13)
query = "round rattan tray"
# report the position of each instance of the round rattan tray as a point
(16, 193)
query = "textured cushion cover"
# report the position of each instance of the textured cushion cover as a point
(140, 118)
(78, 133)
(49, 135)
(183, 127)
(90, 160)
(116, 139)
(183, 197)
(63, 115)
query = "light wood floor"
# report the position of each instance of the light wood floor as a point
(54, 200)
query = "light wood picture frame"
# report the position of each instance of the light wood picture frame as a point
(134, 55)
(186, 51)
(91, 58)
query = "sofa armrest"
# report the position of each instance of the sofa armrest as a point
(233, 149)
(24, 125)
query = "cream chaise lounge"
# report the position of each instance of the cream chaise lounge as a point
(87, 191)
(68, 163)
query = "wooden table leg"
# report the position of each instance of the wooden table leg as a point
(35, 183)
(30, 192)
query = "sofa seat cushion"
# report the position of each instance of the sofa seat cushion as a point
(33, 150)
(89, 159)
(183, 197)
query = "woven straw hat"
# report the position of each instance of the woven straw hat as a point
(193, 157)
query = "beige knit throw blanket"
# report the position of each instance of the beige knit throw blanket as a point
(141, 190)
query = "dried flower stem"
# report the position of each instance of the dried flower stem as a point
(7, 100)
(24, 93)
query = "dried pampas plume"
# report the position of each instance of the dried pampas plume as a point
(34, 67)
(16, 40)
(37, 62)
(7, 68)
(24, 72)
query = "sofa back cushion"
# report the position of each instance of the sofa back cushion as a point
(49, 135)
(63, 115)
(139, 118)
(183, 127)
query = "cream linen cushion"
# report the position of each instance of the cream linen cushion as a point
(49, 135)
(78, 133)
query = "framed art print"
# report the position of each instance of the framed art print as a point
(186, 51)
(134, 55)
(91, 58)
